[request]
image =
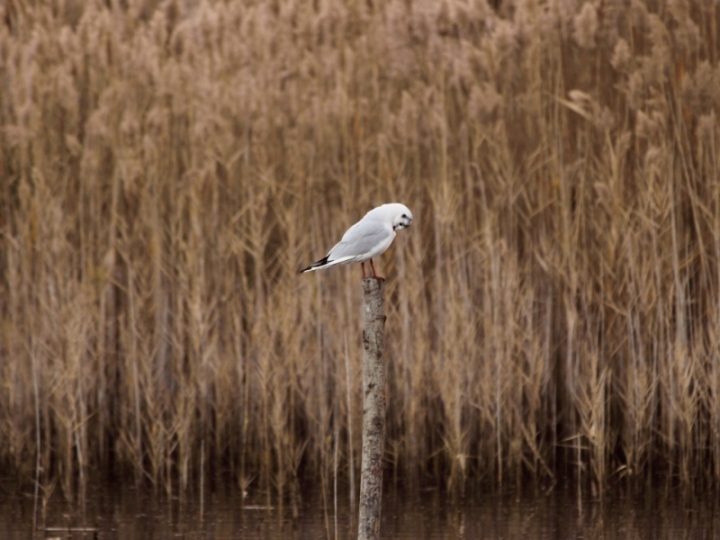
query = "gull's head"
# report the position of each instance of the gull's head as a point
(400, 215)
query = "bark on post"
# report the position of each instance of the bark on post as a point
(373, 438)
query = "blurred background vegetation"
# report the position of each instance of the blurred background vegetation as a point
(166, 167)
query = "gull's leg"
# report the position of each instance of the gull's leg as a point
(362, 266)
(373, 268)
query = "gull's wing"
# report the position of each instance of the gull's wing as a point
(363, 238)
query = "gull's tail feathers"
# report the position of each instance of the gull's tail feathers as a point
(322, 263)
(325, 263)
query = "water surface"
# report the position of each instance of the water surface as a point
(124, 513)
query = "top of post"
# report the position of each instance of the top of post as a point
(373, 284)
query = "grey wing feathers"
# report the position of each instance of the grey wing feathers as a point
(360, 239)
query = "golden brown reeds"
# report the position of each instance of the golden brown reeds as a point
(167, 166)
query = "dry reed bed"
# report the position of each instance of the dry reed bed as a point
(166, 170)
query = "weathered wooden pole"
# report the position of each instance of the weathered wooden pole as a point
(373, 437)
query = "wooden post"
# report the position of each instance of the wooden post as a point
(373, 437)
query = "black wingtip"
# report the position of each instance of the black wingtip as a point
(321, 262)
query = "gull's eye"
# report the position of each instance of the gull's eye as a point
(404, 216)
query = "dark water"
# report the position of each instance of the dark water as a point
(121, 513)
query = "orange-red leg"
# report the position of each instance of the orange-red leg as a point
(373, 268)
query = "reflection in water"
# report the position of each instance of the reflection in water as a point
(121, 513)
